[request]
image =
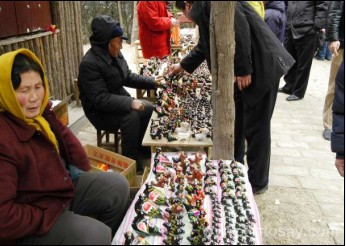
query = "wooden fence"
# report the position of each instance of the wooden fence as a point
(60, 52)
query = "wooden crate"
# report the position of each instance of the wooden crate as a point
(118, 163)
(61, 110)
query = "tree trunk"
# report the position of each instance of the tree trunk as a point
(222, 48)
(120, 15)
(134, 33)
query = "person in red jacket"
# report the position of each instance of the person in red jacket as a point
(47, 192)
(154, 23)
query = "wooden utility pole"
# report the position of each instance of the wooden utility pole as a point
(222, 48)
(134, 34)
(120, 15)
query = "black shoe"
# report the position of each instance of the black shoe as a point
(293, 98)
(284, 90)
(326, 134)
(257, 191)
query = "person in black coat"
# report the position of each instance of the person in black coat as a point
(103, 73)
(259, 62)
(305, 19)
(338, 133)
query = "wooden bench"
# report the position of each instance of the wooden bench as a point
(103, 140)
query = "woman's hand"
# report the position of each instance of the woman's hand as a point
(137, 105)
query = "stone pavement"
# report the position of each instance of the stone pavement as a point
(305, 200)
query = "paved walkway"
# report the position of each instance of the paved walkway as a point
(305, 200)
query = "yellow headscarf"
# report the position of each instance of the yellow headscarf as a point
(8, 97)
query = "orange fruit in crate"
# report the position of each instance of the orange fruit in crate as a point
(103, 167)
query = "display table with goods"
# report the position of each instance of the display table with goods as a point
(188, 199)
(183, 111)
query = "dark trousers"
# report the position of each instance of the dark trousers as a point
(132, 126)
(302, 50)
(253, 125)
(103, 196)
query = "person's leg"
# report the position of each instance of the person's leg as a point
(103, 195)
(329, 55)
(257, 133)
(321, 53)
(328, 103)
(130, 135)
(133, 127)
(306, 47)
(290, 76)
(72, 229)
(239, 139)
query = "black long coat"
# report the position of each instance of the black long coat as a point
(258, 51)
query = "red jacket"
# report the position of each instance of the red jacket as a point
(154, 23)
(34, 185)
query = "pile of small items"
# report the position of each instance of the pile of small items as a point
(178, 205)
(153, 66)
(181, 101)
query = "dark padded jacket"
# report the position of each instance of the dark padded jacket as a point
(338, 133)
(336, 22)
(306, 17)
(101, 78)
(276, 18)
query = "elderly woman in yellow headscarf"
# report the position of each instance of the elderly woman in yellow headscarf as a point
(46, 191)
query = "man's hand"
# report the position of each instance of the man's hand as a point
(137, 105)
(334, 47)
(340, 165)
(243, 81)
(159, 81)
(175, 69)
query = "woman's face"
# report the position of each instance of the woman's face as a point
(115, 45)
(30, 93)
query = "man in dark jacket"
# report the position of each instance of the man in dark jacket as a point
(304, 20)
(336, 36)
(103, 73)
(259, 62)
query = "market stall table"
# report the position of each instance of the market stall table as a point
(190, 142)
(225, 236)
